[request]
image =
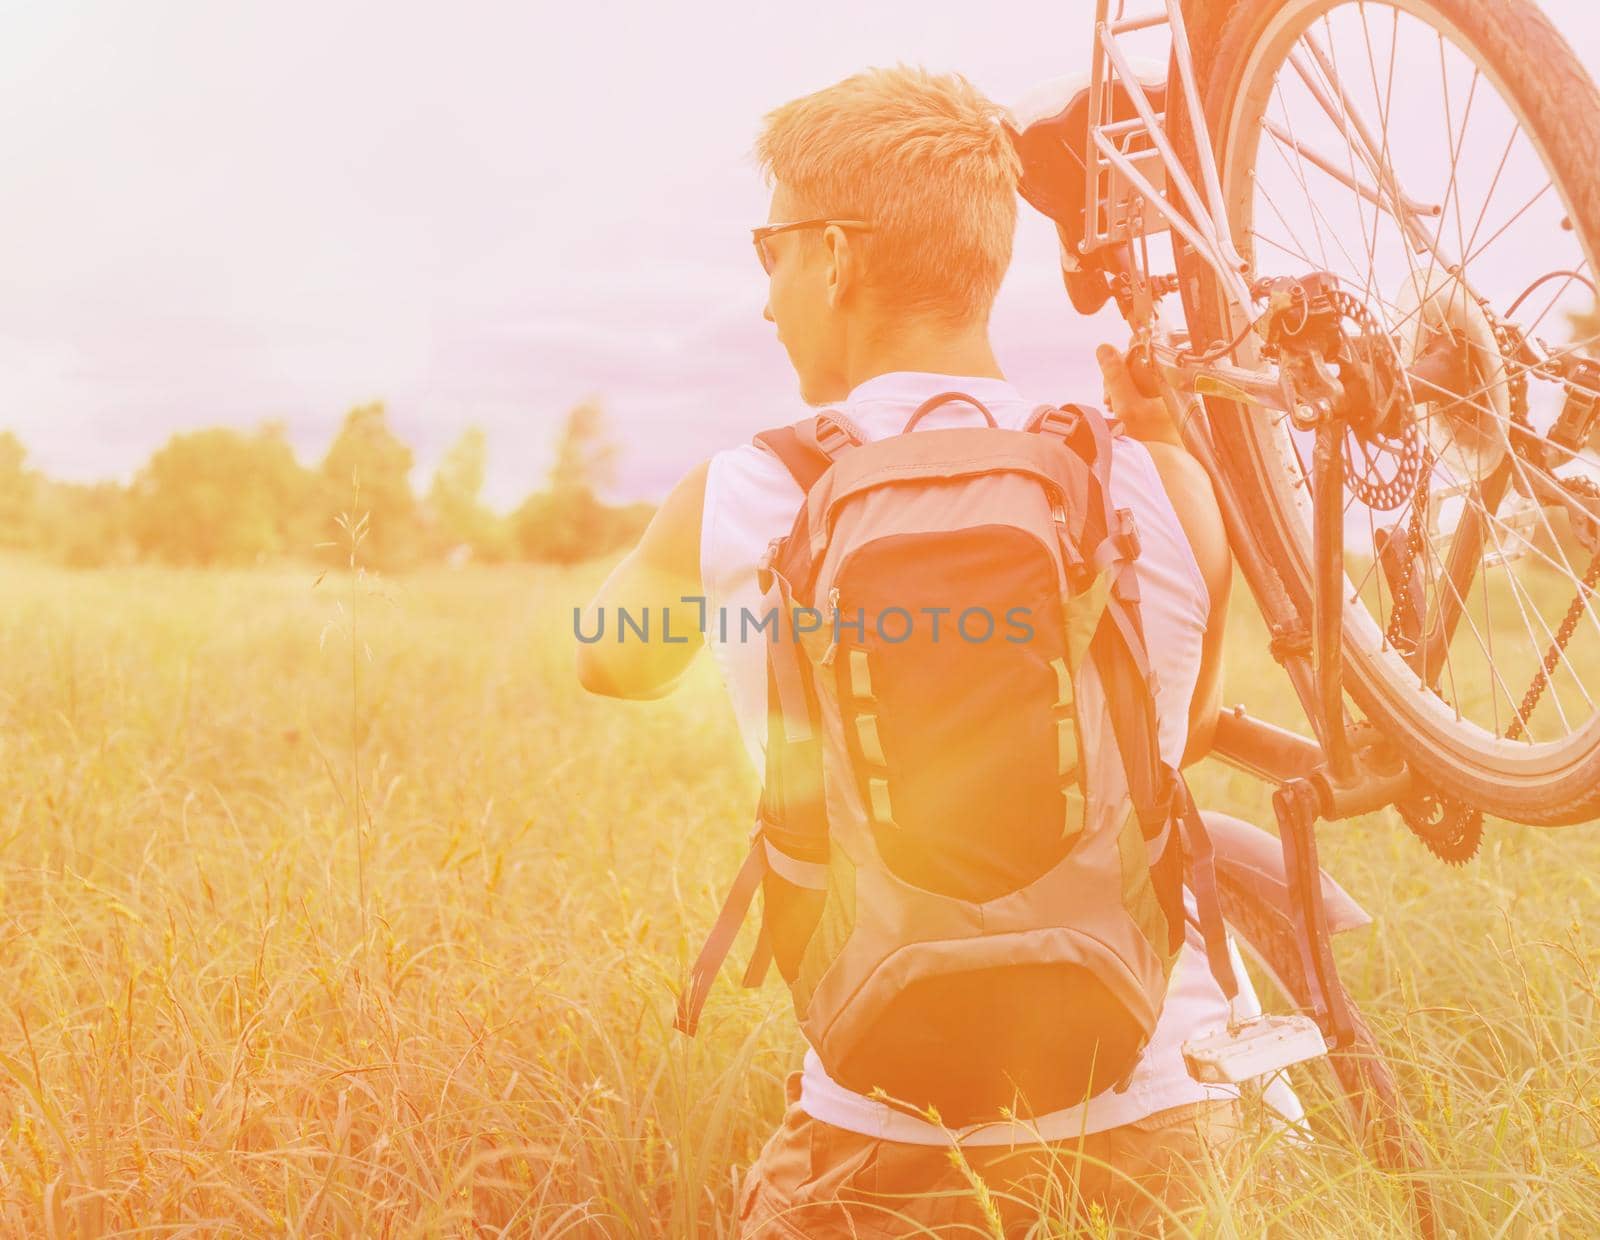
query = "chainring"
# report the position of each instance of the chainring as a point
(1451, 831)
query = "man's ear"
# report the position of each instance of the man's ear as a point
(843, 265)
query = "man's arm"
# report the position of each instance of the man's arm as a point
(651, 584)
(1189, 489)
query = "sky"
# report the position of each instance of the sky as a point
(480, 213)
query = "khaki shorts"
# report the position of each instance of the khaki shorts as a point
(813, 1181)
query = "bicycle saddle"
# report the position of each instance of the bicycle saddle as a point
(1049, 129)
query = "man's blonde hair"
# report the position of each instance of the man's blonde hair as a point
(923, 157)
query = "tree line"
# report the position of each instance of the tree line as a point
(225, 497)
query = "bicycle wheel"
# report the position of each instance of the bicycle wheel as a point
(1438, 158)
(1350, 1094)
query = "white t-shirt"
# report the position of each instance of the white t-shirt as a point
(750, 499)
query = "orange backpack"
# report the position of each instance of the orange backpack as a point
(963, 920)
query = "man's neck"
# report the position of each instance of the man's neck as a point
(933, 349)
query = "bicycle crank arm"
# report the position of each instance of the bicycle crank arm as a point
(1296, 807)
(1251, 860)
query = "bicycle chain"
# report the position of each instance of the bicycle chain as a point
(1569, 623)
(1416, 534)
(1516, 382)
(1524, 446)
(1450, 830)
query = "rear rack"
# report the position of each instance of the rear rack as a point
(1131, 166)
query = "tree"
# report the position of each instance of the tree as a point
(585, 458)
(84, 525)
(567, 521)
(219, 497)
(460, 517)
(19, 494)
(368, 471)
(560, 527)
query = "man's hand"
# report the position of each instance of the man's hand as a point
(652, 580)
(1145, 418)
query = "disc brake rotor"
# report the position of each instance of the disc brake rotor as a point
(1383, 453)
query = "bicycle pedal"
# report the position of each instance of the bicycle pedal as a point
(1256, 1047)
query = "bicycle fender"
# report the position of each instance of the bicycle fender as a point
(1253, 858)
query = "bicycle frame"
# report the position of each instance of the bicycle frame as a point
(1347, 770)
(1126, 159)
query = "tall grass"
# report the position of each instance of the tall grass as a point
(228, 1013)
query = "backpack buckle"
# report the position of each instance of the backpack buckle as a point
(764, 564)
(831, 432)
(831, 436)
(1054, 420)
(1127, 535)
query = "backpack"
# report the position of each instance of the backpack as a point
(955, 930)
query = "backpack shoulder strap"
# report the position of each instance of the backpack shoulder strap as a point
(808, 447)
(789, 840)
(805, 465)
(1196, 841)
(1160, 794)
(1086, 430)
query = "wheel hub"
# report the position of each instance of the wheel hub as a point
(1458, 377)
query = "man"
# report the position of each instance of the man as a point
(902, 189)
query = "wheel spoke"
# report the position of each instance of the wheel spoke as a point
(1466, 614)
(1454, 138)
(1518, 594)
(1369, 294)
(1494, 184)
(1517, 215)
(1300, 175)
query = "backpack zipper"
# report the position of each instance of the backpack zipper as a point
(1069, 547)
(833, 640)
(1058, 510)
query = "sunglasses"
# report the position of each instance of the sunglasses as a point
(760, 235)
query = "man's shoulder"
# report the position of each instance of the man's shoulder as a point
(673, 534)
(740, 466)
(1134, 474)
(750, 498)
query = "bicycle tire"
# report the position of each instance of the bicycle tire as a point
(1538, 76)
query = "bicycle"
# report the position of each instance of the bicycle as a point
(1409, 473)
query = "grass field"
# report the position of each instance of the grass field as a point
(222, 1017)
